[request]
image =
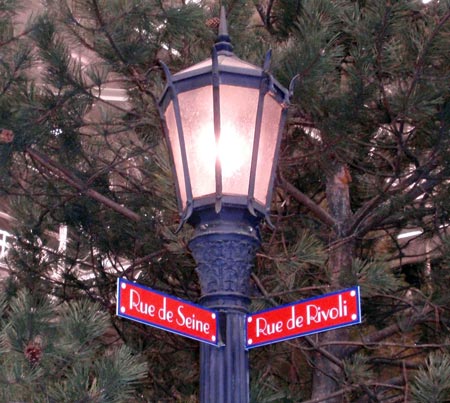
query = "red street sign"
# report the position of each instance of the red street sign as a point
(326, 312)
(160, 310)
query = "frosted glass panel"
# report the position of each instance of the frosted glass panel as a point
(238, 107)
(238, 114)
(175, 145)
(197, 116)
(267, 145)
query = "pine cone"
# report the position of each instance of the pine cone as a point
(33, 353)
(6, 136)
(213, 22)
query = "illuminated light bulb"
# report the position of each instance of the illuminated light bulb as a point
(234, 151)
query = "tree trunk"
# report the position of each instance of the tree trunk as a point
(327, 376)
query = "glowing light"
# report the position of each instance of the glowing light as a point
(233, 150)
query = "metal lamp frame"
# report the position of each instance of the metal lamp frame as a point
(215, 75)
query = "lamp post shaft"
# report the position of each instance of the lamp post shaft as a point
(224, 376)
(225, 250)
(204, 107)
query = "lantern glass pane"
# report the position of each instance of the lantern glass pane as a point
(267, 146)
(237, 117)
(176, 152)
(196, 109)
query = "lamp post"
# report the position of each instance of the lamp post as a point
(223, 121)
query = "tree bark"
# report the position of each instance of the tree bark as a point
(328, 373)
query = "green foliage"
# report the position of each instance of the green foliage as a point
(375, 278)
(370, 100)
(83, 321)
(308, 250)
(55, 352)
(118, 375)
(432, 382)
(357, 369)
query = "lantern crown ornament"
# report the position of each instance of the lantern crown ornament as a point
(223, 122)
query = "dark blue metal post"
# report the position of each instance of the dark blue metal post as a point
(224, 246)
(226, 218)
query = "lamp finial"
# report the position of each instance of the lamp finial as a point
(223, 26)
(223, 43)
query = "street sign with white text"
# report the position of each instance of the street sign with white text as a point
(325, 312)
(144, 305)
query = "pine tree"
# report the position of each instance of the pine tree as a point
(364, 164)
(53, 353)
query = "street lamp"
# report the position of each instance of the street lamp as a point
(223, 120)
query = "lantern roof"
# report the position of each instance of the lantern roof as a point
(231, 68)
(226, 62)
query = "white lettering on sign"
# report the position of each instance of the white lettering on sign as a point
(315, 314)
(294, 322)
(191, 322)
(263, 327)
(141, 307)
(164, 314)
(163, 311)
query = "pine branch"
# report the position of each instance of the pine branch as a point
(331, 357)
(17, 37)
(381, 216)
(414, 259)
(394, 383)
(363, 344)
(135, 75)
(379, 43)
(68, 177)
(307, 202)
(338, 393)
(266, 15)
(102, 23)
(421, 172)
(421, 58)
(411, 319)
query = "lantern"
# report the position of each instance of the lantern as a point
(223, 120)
